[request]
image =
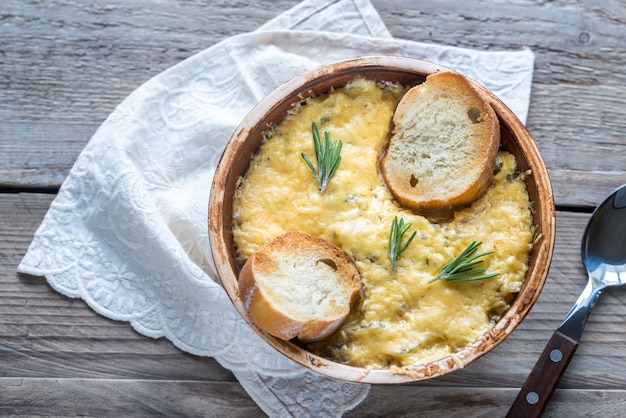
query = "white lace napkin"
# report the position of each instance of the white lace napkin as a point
(127, 232)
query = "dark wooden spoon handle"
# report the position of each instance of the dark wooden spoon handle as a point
(544, 378)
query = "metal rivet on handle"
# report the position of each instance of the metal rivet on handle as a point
(532, 398)
(556, 355)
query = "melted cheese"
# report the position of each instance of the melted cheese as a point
(404, 319)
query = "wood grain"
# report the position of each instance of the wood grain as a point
(137, 398)
(436, 402)
(52, 345)
(577, 95)
(66, 66)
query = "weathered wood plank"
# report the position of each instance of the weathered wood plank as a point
(435, 402)
(123, 398)
(46, 337)
(578, 91)
(40, 154)
(68, 64)
(90, 397)
(584, 189)
(65, 66)
(65, 61)
(45, 334)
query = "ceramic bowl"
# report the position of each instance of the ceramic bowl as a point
(272, 109)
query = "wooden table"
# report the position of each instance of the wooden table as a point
(65, 65)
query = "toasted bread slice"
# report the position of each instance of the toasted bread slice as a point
(299, 285)
(443, 147)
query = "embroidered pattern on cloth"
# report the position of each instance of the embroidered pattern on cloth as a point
(127, 232)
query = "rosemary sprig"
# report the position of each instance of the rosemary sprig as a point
(396, 246)
(328, 157)
(461, 268)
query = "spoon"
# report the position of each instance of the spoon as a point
(603, 253)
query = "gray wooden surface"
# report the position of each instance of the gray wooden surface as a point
(65, 65)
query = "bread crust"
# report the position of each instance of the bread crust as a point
(276, 314)
(421, 167)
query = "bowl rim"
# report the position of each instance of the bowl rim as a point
(223, 256)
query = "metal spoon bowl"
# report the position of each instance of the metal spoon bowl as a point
(603, 253)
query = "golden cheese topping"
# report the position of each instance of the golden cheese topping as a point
(404, 319)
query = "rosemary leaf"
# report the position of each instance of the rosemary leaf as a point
(460, 269)
(328, 155)
(396, 233)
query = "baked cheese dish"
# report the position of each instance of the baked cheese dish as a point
(404, 318)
